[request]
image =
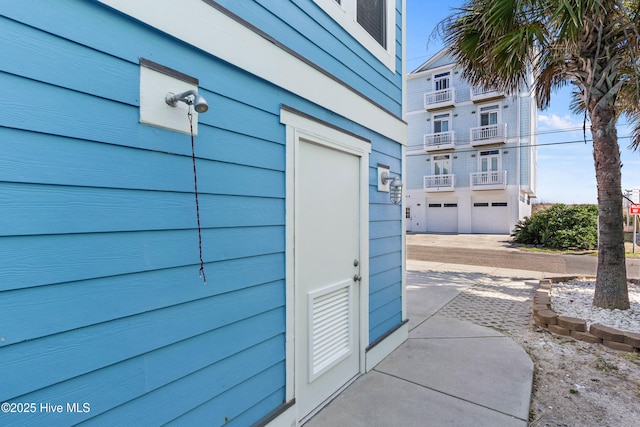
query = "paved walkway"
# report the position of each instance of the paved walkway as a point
(456, 368)
(501, 303)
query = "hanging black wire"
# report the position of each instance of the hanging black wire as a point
(195, 187)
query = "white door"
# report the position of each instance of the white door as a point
(441, 129)
(489, 161)
(327, 256)
(417, 217)
(441, 81)
(440, 170)
(489, 165)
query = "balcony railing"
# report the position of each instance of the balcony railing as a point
(439, 99)
(491, 180)
(439, 182)
(479, 93)
(491, 134)
(439, 141)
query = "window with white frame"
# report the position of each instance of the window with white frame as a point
(371, 22)
(372, 16)
(441, 164)
(489, 161)
(441, 122)
(489, 115)
(441, 128)
(440, 170)
(442, 81)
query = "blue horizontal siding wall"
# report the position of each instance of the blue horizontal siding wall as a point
(385, 244)
(102, 301)
(304, 27)
(101, 294)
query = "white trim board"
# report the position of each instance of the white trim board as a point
(386, 346)
(266, 60)
(330, 136)
(345, 14)
(297, 128)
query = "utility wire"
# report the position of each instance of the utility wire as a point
(475, 150)
(547, 132)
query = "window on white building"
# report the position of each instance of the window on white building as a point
(489, 161)
(441, 164)
(489, 115)
(442, 81)
(441, 123)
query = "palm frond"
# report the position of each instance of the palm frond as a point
(493, 42)
(593, 44)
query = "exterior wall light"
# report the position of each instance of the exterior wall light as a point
(395, 187)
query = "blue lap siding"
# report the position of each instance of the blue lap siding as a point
(100, 292)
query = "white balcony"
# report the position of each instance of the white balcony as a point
(491, 180)
(439, 141)
(492, 134)
(480, 94)
(433, 183)
(439, 99)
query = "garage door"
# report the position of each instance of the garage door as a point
(490, 218)
(442, 217)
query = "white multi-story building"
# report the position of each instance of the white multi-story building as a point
(471, 157)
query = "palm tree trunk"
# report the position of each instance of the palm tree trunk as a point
(611, 282)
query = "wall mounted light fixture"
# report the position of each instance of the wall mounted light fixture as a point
(190, 97)
(395, 187)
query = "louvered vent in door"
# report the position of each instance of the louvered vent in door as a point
(330, 311)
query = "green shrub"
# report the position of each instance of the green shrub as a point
(560, 227)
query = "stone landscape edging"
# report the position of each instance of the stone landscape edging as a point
(576, 328)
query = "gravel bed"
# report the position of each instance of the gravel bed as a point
(575, 299)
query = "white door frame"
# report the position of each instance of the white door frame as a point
(498, 155)
(440, 163)
(300, 126)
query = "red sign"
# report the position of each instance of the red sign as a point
(634, 209)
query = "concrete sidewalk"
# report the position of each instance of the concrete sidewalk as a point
(449, 372)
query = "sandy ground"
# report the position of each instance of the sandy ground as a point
(576, 384)
(580, 384)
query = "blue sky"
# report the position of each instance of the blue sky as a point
(566, 172)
